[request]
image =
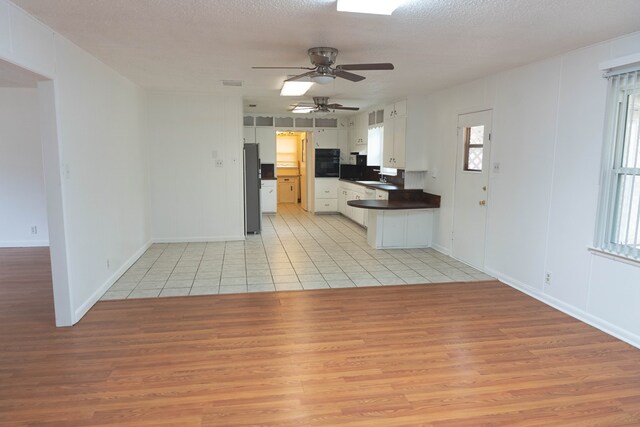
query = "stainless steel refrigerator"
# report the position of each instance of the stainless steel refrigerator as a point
(252, 213)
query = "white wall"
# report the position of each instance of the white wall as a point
(22, 195)
(547, 136)
(96, 167)
(102, 128)
(191, 198)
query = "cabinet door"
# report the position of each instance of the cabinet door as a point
(387, 144)
(399, 141)
(266, 137)
(286, 190)
(388, 113)
(358, 213)
(400, 108)
(393, 229)
(382, 195)
(342, 200)
(363, 130)
(249, 135)
(268, 197)
(326, 188)
(326, 138)
(343, 145)
(419, 228)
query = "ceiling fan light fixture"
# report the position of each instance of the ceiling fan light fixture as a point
(375, 7)
(302, 110)
(323, 79)
(295, 88)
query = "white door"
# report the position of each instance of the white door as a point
(471, 188)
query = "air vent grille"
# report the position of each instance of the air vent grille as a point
(236, 83)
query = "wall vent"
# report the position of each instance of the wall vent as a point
(236, 83)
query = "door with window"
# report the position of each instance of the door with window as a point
(471, 188)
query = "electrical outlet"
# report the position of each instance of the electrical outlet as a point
(547, 278)
(34, 229)
(496, 167)
(219, 163)
(108, 264)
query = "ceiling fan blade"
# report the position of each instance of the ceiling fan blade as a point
(300, 76)
(340, 107)
(283, 68)
(349, 76)
(362, 67)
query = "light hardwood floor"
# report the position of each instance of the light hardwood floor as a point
(455, 354)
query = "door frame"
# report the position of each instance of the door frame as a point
(458, 154)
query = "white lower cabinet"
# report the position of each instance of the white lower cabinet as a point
(382, 195)
(269, 196)
(342, 200)
(326, 205)
(347, 192)
(326, 195)
(410, 228)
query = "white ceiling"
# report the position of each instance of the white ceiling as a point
(14, 76)
(191, 45)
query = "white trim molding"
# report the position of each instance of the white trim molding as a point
(572, 311)
(95, 297)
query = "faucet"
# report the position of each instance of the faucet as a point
(383, 178)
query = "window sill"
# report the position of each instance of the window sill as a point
(614, 257)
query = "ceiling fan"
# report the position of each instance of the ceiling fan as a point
(321, 105)
(323, 71)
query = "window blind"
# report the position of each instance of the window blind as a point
(619, 225)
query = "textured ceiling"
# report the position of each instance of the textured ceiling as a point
(191, 45)
(14, 76)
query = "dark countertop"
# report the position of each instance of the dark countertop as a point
(391, 204)
(269, 179)
(375, 185)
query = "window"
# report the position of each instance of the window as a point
(619, 225)
(375, 138)
(473, 148)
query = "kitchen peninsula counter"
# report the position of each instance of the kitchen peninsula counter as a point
(404, 221)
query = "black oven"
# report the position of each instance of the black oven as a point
(327, 162)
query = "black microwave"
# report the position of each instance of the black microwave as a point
(327, 162)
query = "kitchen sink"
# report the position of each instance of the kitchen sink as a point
(371, 182)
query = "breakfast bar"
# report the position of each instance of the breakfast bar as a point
(402, 222)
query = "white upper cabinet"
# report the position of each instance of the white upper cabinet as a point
(266, 137)
(404, 146)
(395, 135)
(358, 131)
(394, 110)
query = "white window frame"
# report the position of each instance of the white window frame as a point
(612, 168)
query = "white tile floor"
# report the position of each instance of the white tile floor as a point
(296, 250)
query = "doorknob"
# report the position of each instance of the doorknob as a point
(484, 188)
(482, 202)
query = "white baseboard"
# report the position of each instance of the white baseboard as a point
(24, 244)
(197, 239)
(588, 318)
(441, 249)
(95, 297)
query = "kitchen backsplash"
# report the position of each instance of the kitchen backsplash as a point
(368, 173)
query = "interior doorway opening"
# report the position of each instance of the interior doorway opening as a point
(292, 168)
(30, 184)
